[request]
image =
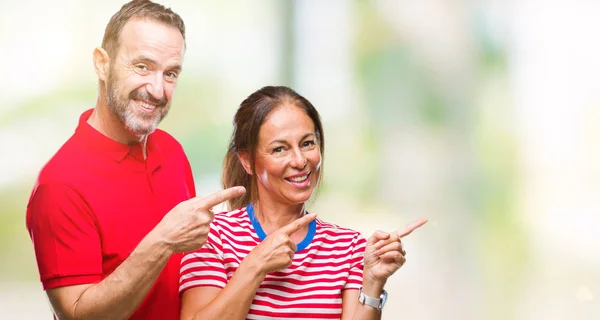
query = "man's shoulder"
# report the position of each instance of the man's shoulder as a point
(62, 172)
(65, 163)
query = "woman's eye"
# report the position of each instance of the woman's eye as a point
(308, 143)
(278, 150)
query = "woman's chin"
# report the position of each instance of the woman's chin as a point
(299, 198)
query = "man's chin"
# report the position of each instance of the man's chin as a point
(141, 131)
(141, 126)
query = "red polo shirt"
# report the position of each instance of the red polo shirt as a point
(96, 199)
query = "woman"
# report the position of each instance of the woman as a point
(269, 258)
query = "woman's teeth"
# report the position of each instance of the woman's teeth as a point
(298, 179)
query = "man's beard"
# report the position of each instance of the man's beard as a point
(138, 123)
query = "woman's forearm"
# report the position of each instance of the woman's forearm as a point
(234, 301)
(372, 288)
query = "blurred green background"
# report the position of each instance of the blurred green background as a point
(483, 116)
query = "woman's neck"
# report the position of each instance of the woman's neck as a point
(273, 216)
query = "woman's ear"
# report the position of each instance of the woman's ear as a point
(245, 161)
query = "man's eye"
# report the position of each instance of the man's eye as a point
(278, 150)
(141, 68)
(171, 75)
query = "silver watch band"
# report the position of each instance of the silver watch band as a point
(376, 303)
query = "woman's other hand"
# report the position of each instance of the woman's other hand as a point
(384, 253)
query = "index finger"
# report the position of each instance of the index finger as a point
(298, 223)
(411, 227)
(220, 197)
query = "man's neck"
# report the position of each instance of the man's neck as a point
(109, 125)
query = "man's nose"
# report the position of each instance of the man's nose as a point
(155, 86)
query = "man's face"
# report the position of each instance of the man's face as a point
(143, 74)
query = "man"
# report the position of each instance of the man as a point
(114, 208)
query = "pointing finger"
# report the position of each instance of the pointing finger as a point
(299, 223)
(220, 197)
(397, 235)
(409, 228)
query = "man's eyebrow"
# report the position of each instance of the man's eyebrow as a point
(145, 59)
(175, 67)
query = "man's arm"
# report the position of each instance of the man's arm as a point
(117, 296)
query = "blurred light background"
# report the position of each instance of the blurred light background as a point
(483, 116)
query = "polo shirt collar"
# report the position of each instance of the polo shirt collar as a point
(115, 150)
(155, 158)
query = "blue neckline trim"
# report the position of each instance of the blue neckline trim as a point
(312, 229)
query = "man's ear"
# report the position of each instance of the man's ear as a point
(245, 161)
(101, 63)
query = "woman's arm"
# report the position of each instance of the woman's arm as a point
(233, 302)
(352, 309)
(383, 256)
(373, 287)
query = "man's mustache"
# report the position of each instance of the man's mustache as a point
(141, 94)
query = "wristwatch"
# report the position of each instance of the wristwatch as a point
(372, 302)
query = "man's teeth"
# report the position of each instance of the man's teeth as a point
(146, 105)
(299, 179)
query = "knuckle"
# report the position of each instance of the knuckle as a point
(203, 219)
(204, 229)
(281, 236)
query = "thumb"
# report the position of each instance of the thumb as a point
(299, 223)
(377, 236)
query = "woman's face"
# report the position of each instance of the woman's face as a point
(288, 157)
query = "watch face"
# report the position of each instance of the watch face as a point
(383, 298)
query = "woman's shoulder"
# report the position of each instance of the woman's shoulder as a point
(236, 216)
(332, 228)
